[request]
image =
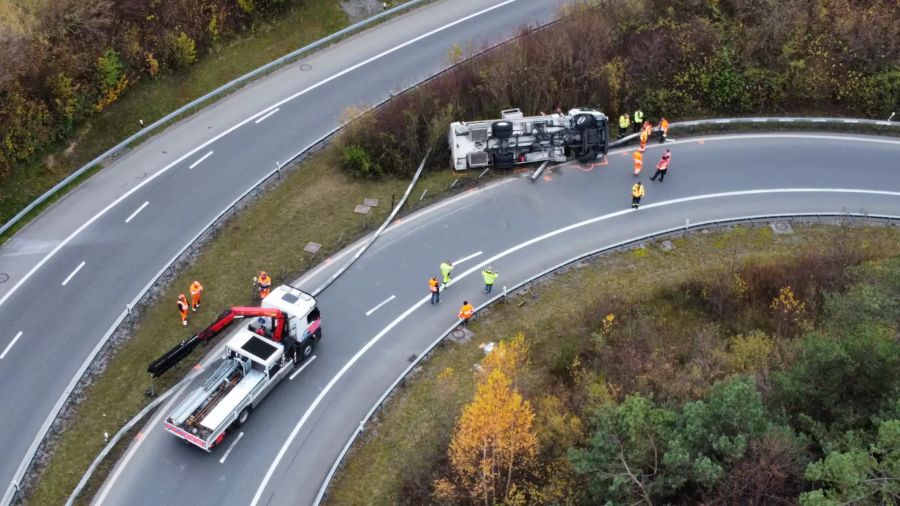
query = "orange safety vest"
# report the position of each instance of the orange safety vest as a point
(664, 125)
(433, 285)
(182, 304)
(466, 311)
(663, 164)
(196, 288)
(264, 281)
(644, 136)
(638, 159)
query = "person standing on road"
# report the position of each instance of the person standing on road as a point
(489, 277)
(638, 162)
(466, 312)
(196, 290)
(183, 308)
(645, 134)
(435, 288)
(638, 119)
(623, 125)
(637, 191)
(662, 167)
(264, 283)
(446, 269)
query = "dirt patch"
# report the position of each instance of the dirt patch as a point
(358, 10)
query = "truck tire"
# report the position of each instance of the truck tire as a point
(504, 160)
(306, 349)
(502, 129)
(243, 416)
(584, 121)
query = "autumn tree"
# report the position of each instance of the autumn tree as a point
(509, 356)
(494, 443)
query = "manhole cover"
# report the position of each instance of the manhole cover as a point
(782, 227)
(4, 277)
(305, 66)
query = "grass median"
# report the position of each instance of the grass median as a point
(314, 203)
(150, 100)
(404, 450)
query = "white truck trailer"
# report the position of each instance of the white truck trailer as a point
(581, 134)
(257, 357)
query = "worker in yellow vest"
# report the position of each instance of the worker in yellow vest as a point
(637, 191)
(623, 124)
(489, 277)
(638, 119)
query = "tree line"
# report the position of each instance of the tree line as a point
(66, 60)
(680, 58)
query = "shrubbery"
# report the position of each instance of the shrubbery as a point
(683, 58)
(65, 60)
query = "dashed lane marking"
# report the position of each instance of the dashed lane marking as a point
(69, 278)
(266, 115)
(382, 303)
(204, 157)
(10, 345)
(135, 213)
(298, 371)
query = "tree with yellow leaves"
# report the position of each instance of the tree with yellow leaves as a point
(509, 356)
(494, 441)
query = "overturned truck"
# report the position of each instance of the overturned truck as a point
(581, 134)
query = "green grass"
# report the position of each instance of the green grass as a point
(400, 450)
(152, 99)
(314, 203)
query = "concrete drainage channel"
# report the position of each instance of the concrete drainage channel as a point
(780, 223)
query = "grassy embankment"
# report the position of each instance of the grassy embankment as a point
(672, 351)
(314, 203)
(152, 99)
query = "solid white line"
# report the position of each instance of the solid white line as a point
(252, 117)
(10, 345)
(463, 259)
(73, 273)
(376, 308)
(137, 211)
(298, 371)
(233, 443)
(355, 358)
(204, 157)
(266, 115)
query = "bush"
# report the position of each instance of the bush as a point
(181, 51)
(358, 162)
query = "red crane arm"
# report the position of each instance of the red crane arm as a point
(236, 313)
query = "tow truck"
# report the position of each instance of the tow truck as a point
(258, 356)
(581, 134)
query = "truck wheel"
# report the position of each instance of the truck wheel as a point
(242, 418)
(306, 349)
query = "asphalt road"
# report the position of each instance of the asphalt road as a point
(73, 269)
(519, 228)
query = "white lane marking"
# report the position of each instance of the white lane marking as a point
(204, 157)
(233, 443)
(463, 259)
(298, 371)
(66, 281)
(252, 117)
(355, 358)
(376, 308)
(10, 345)
(266, 115)
(135, 213)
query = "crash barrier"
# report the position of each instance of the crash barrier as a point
(777, 120)
(841, 217)
(151, 128)
(14, 488)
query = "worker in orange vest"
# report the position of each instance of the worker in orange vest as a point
(662, 167)
(196, 290)
(663, 129)
(435, 288)
(264, 282)
(645, 134)
(638, 162)
(466, 312)
(183, 308)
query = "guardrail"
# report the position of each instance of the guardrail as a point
(780, 120)
(619, 246)
(202, 100)
(14, 488)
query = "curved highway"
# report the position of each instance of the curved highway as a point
(283, 453)
(74, 268)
